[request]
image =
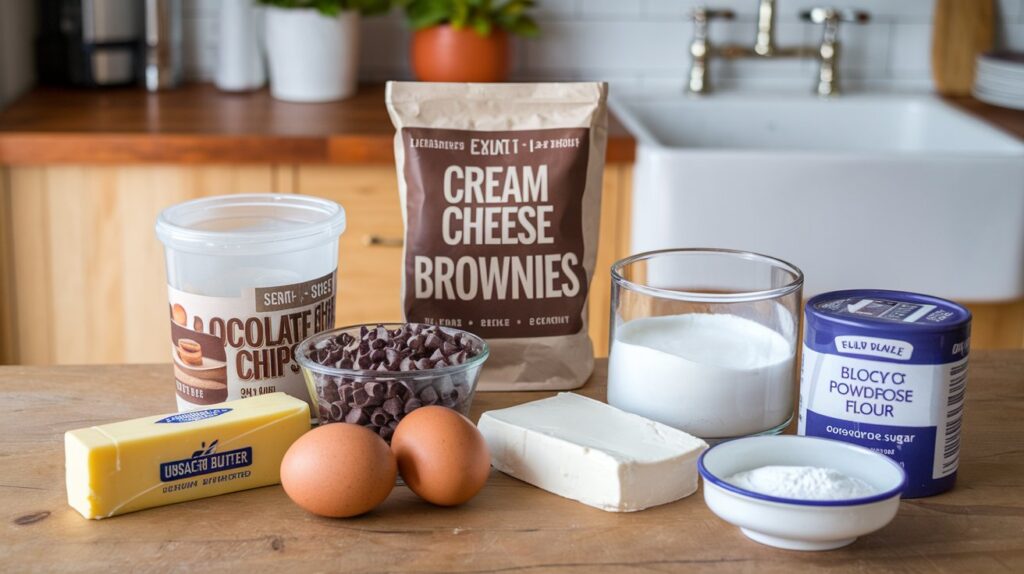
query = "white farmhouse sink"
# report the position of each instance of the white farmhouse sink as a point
(897, 192)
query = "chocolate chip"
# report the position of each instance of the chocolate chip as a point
(357, 416)
(379, 417)
(375, 389)
(432, 342)
(330, 393)
(429, 396)
(347, 393)
(393, 406)
(338, 410)
(360, 398)
(380, 403)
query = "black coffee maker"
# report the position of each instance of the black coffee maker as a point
(90, 43)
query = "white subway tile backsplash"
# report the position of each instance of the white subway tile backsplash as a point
(558, 8)
(1013, 38)
(199, 50)
(864, 50)
(200, 8)
(604, 45)
(1009, 9)
(610, 8)
(885, 10)
(646, 42)
(910, 51)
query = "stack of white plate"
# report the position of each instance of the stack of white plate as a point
(999, 79)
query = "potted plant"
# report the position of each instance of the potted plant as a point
(313, 47)
(465, 40)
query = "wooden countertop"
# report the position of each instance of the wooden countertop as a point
(200, 124)
(509, 527)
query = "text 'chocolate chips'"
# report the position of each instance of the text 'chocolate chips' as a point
(378, 402)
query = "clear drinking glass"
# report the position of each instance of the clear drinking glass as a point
(705, 340)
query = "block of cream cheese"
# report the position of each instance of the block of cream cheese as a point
(130, 465)
(588, 451)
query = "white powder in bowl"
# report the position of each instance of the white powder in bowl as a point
(802, 483)
(713, 376)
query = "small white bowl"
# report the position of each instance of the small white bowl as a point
(800, 524)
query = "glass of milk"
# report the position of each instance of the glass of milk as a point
(704, 340)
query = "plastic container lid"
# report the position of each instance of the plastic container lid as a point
(935, 329)
(250, 224)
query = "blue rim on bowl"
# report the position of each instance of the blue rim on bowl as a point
(304, 361)
(884, 495)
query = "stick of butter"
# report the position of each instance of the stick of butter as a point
(153, 461)
(588, 451)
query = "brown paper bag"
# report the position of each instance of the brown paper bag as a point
(501, 197)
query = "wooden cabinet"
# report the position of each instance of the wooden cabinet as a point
(82, 277)
(370, 251)
(84, 270)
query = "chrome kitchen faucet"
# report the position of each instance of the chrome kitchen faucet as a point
(701, 48)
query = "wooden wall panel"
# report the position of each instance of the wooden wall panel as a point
(997, 326)
(370, 256)
(8, 340)
(30, 227)
(615, 198)
(145, 279)
(90, 285)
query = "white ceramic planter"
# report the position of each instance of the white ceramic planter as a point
(312, 57)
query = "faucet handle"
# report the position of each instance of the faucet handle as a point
(833, 15)
(703, 14)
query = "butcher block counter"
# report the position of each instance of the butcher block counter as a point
(509, 527)
(199, 124)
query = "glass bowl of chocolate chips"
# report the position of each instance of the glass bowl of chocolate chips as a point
(375, 374)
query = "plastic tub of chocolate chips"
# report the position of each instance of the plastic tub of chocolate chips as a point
(374, 375)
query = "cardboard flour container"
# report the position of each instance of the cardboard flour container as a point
(887, 370)
(248, 277)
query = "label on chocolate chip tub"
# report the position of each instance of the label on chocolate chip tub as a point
(888, 370)
(227, 348)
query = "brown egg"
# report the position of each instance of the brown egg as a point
(441, 455)
(338, 470)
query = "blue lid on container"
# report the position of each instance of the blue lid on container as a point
(895, 326)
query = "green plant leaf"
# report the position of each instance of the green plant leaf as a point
(332, 8)
(460, 14)
(483, 16)
(426, 13)
(525, 26)
(482, 25)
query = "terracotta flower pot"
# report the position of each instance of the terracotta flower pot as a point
(446, 54)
